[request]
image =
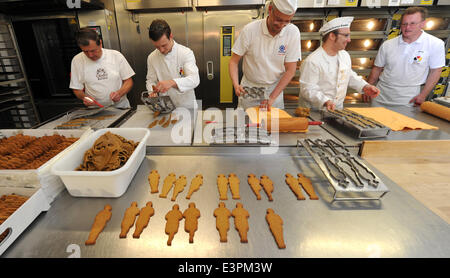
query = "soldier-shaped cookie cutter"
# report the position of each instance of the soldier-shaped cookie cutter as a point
(254, 92)
(162, 104)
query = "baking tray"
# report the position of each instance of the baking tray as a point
(42, 176)
(353, 185)
(357, 125)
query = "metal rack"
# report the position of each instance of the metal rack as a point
(17, 108)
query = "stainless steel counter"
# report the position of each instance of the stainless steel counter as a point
(398, 226)
(443, 133)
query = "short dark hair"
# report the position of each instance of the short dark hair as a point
(84, 35)
(325, 37)
(158, 28)
(412, 10)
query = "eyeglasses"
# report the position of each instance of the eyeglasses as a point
(345, 35)
(410, 24)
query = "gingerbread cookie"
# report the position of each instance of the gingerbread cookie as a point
(254, 183)
(128, 219)
(222, 215)
(267, 185)
(173, 218)
(240, 221)
(99, 224)
(191, 216)
(162, 120)
(307, 186)
(276, 227)
(168, 183)
(222, 184)
(143, 219)
(180, 183)
(295, 186)
(233, 180)
(156, 114)
(167, 123)
(153, 179)
(195, 185)
(155, 122)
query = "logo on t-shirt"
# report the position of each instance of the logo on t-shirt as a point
(282, 50)
(101, 74)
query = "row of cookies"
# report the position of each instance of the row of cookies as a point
(191, 216)
(233, 182)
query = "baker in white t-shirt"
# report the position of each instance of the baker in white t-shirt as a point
(100, 74)
(270, 49)
(405, 63)
(171, 67)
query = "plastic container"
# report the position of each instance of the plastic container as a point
(101, 183)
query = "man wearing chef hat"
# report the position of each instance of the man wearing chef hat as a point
(327, 72)
(408, 61)
(171, 67)
(270, 49)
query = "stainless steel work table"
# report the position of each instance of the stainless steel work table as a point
(398, 226)
(443, 133)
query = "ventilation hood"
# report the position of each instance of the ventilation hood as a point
(38, 6)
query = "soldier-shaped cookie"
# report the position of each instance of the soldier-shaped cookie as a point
(295, 186)
(173, 218)
(143, 219)
(191, 216)
(222, 215)
(153, 179)
(276, 227)
(240, 221)
(195, 185)
(254, 183)
(128, 219)
(233, 180)
(99, 224)
(222, 185)
(180, 183)
(167, 185)
(307, 185)
(267, 185)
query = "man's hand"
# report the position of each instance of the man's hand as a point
(329, 105)
(115, 96)
(87, 102)
(239, 90)
(371, 91)
(164, 86)
(418, 100)
(266, 104)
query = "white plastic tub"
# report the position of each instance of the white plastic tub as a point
(101, 183)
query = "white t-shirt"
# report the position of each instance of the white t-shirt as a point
(102, 77)
(178, 65)
(406, 66)
(264, 55)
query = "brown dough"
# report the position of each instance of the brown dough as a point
(222, 184)
(222, 215)
(128, 219)
(156, 114)
(195, 185)
(307, 186)
(168, 122)
(180, 183)
(233, 180)
(99, 223)
(276, 227)
(191, 216)
(143, 219)
(162, 121)
(153, 179)
(254, 183)
(173, 218)
(295, 186)
(155, 122)
(174, 121)
(267, 185)
(168, 183)
(240, 221)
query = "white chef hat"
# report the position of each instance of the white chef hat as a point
(287, 7)
(337, 23)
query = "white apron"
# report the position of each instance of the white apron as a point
(395, 95)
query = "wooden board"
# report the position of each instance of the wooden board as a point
(422, 168)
